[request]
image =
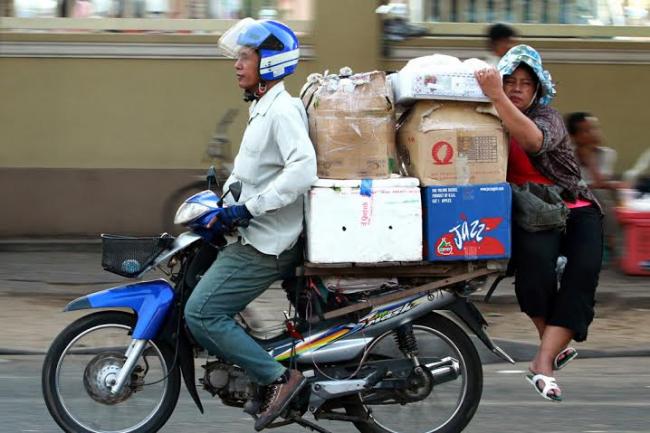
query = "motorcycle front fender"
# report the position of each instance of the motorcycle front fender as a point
(150, 300)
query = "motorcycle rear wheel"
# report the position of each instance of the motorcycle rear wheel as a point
(440, 411)
(78, 363)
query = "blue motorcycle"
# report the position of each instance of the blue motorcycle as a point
(365, 352)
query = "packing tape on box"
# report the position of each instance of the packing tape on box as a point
(366, 187)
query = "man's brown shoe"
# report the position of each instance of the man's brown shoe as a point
(277, 398)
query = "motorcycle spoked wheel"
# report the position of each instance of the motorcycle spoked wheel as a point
(449, 406)
(84, 356)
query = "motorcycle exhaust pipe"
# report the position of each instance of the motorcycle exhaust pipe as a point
(446, 370)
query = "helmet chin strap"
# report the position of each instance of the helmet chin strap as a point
(256, 94)
(261, 88)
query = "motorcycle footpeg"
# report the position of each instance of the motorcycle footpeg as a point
(323, 391)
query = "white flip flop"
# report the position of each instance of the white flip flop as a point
(549, 385)
(569, 355)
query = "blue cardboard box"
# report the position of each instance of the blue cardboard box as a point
(469, 222)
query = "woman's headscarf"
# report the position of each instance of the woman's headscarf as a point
(528, 55)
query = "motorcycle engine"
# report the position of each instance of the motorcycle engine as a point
(229, 382)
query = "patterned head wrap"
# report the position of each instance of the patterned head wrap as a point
(528, 55)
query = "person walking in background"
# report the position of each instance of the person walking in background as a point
(541, 153)
(597, 168)
(501, 37)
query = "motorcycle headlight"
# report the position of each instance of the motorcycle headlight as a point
(188, 212)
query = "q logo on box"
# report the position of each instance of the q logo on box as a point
(442, 153)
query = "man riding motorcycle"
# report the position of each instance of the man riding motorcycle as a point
(276, 165)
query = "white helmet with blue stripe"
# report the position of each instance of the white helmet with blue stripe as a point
(276, 44)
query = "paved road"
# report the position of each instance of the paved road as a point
(601, 395)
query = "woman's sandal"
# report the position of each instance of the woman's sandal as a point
(549, 385)
(564, 357)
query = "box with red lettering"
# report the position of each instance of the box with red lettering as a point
(468, 222)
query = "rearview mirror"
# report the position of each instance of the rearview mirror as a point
(235, 190)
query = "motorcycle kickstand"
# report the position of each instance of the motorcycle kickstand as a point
(309, 425)
(334, 416)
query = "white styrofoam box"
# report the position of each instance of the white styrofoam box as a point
(383, 224)
(438, 76)
(410, 85)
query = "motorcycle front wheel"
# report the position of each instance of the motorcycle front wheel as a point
(85, 357)
(443, 402)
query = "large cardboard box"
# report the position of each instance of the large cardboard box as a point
(364, 221)
(470, 222)
(453, 143)
(352, 125)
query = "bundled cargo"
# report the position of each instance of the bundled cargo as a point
(453, 143)
(470, 222)
(438, 77)
(352, 125)
(352, 285)
(364, 221)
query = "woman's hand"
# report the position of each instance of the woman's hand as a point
(491, 84)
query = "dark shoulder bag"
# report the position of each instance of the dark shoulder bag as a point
(539, 207)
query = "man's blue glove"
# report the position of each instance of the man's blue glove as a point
(232, 216)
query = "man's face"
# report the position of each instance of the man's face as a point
(246, 67)
(588, 133)
(520, 88)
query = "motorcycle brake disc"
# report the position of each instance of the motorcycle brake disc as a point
(100, 374)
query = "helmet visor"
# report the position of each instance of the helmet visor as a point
(246, 33)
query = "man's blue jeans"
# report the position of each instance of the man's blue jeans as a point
(238, 276)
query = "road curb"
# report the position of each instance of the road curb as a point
(602, 298)
(9, 352)
(524, 352)
(31, 245)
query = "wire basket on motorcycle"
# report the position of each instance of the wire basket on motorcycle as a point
(129, 256)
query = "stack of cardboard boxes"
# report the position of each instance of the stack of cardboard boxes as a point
(357, 212)
(454, 143)
(450, 143)
(458, 151)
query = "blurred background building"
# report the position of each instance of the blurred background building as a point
(219, 9)
(592, 12)
(110, 107)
